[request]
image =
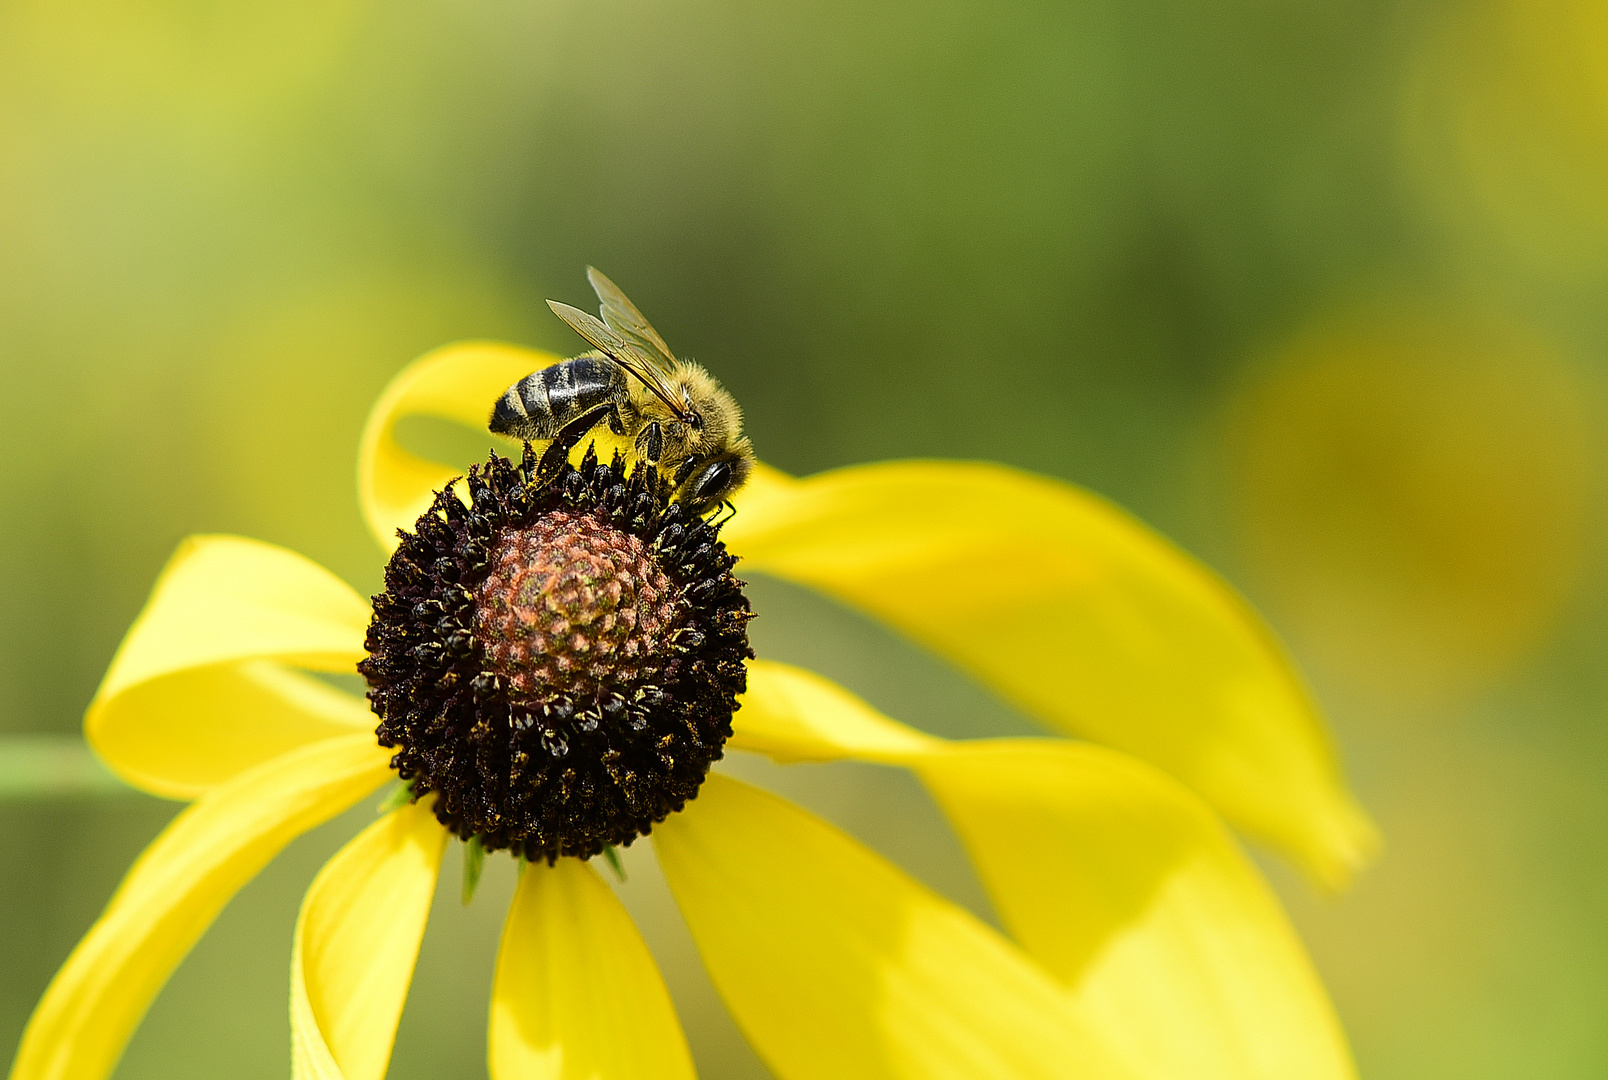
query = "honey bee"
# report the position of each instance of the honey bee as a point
(675, 415)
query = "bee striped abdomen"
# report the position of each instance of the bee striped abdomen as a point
(541, 403)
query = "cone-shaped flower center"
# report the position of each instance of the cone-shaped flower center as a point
(571, 602)
(559, 663)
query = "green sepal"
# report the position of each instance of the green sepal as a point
(474, 861)
(399, 796)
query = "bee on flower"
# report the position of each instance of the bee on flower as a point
(670, 412)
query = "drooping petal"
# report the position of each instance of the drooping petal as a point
(1083, 617)
(456, 382)
(790, 714)
(837, 965)
(1115, 878)
(229, 598)
(174, 891)
(180, 736)
(357, 939)
(577, 997)
(1123, 884)
(198, 690)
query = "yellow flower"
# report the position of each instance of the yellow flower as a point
(1141, 941)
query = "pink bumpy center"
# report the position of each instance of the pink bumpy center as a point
(573, 603)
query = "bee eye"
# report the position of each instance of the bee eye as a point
(714, 480)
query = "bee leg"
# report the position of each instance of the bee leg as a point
(652, 443)
(725, 512)
(685, 470)
(557, 452)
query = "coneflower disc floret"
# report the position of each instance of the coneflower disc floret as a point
(558, 662)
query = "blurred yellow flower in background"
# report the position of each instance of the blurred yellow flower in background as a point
(1505, 122)
(1416, 491)
(1141, 941)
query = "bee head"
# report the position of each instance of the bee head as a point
(716, 479)
(717, 456)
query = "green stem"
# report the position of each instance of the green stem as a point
(52, 767)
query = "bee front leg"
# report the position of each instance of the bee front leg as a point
(557, 452)
(651, 443)
(686, 469)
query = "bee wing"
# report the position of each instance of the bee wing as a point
(625, 353)
(624, 319)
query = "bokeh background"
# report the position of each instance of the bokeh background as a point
(1317, 289)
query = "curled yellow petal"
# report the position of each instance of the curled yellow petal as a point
(1083, 617)
(456, 382)
(182, 735)
(577, 997)
(224, 599)
(189, 700)
(357, 939)
(174, 891)
(1114, 877)
(837, 965)
(1124, 885)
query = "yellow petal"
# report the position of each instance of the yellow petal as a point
(1083, 617)
(766, 486)
(174, 891)
(181, 708)
(180, 736)
(837, 965)
(1111, 875)
(357, 939)
(790, 714)
(1123, 884)
(227, 598)
(456, 382)
(577, 997)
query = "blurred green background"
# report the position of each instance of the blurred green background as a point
(1317, 289)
